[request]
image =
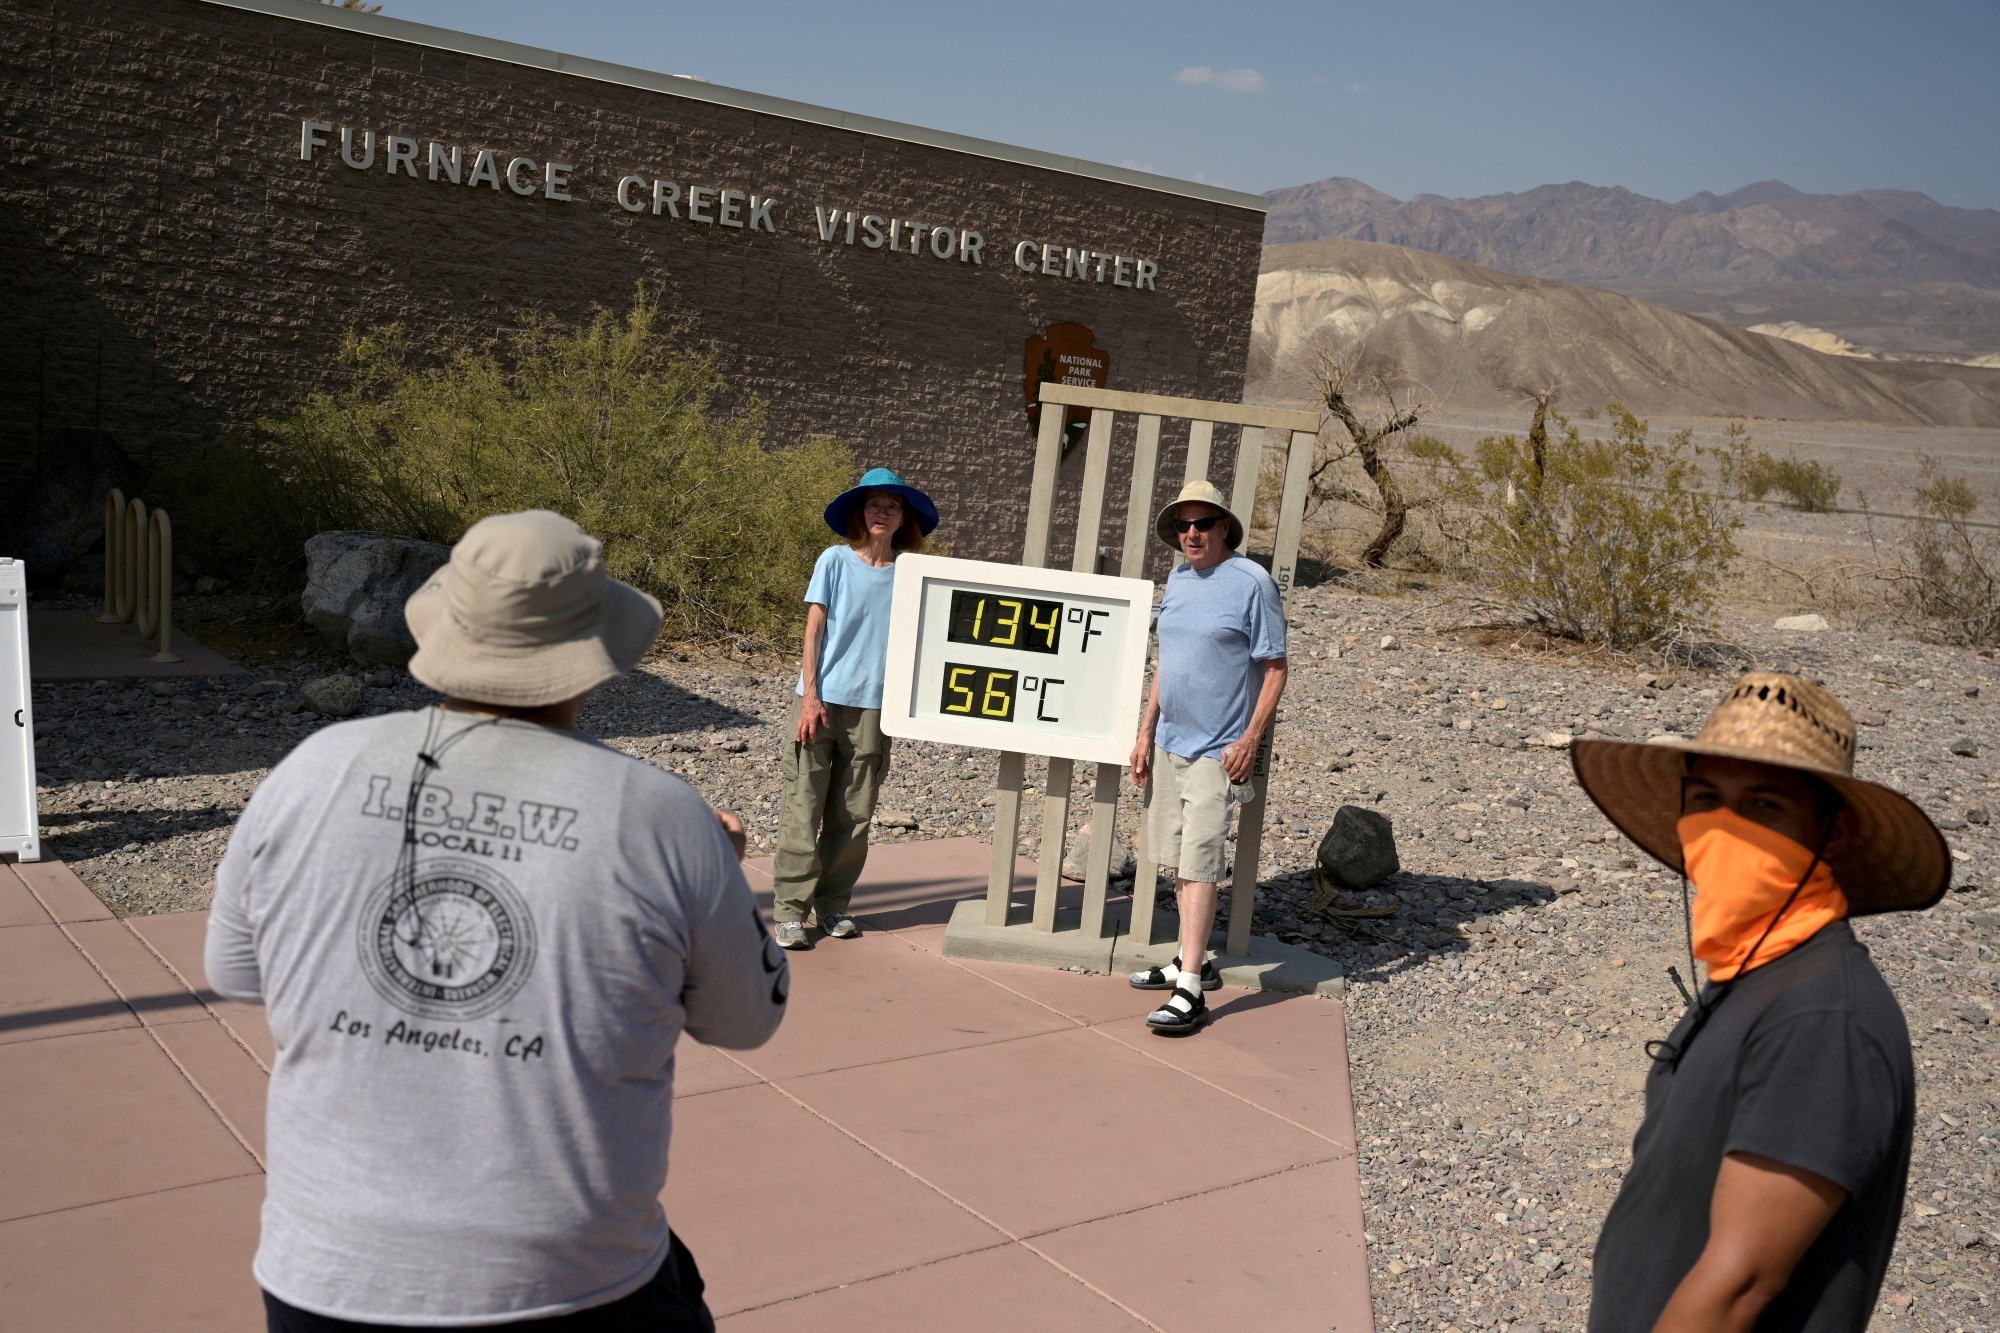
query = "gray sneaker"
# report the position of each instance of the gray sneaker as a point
(839, 925)
(791, 935)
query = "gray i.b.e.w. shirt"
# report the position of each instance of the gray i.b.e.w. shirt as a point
(469, 1113)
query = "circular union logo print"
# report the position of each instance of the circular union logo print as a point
(456, 944)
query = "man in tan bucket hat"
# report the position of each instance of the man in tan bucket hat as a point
(1767, 1178)
(478, 936)
(1221, 673)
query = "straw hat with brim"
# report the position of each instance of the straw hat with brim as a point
(881, 479)
(1198, 492)
(524, 615)
(1897, 861)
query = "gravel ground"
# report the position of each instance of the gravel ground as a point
(1496, 1020)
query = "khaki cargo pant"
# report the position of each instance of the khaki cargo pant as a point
(830, 791)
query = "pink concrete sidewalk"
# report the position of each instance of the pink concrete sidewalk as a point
(927, 1140)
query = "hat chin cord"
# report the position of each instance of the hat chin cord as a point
(427, 762)
(1662, 1049)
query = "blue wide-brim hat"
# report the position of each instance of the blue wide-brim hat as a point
(881, 479)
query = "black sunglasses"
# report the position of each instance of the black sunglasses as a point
(1198, 524)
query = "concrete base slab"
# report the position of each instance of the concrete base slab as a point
(70, 644)
(1272, 965)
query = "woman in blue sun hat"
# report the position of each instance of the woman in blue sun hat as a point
(836, 754)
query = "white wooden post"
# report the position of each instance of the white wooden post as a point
(1104, 799)
(1138, 545)
(1284, 568)
(1006, 836)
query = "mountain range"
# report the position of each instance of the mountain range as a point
(1887, 273)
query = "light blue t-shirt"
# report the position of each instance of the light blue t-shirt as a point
(855, 654)
(1216, 624)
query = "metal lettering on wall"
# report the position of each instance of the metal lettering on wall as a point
(712, 205)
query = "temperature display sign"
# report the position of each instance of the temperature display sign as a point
(1005, 657)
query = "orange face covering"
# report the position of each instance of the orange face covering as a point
(1743, 872)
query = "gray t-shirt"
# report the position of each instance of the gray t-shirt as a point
(469, 1113)
(1217, 626)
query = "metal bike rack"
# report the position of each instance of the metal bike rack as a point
(139, 571)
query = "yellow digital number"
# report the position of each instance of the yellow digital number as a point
(978, 614)
(952, 686)
(1012, 624)
(994, 679)
(1048, 630)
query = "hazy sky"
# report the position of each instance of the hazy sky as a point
(1455, 98)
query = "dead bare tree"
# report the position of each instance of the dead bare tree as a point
(1538, 429)
(1374, 403)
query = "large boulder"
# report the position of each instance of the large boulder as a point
(1359, 851)
(1077, 864)
(356, 584)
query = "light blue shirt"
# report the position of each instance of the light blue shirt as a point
(855, 653)
(1216, 624)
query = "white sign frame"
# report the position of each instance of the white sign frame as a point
(905, 635)
(20, 810)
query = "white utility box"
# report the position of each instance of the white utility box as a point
(20, 815)
(1005, 657)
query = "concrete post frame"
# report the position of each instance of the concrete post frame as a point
(1091, 937)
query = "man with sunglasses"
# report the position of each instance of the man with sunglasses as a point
(1220, 675)
(1767, 1178)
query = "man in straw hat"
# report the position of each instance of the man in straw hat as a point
(1767, 1177)
(1220, 676)
(478, 936)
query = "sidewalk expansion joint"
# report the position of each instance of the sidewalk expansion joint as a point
(153, 1036)
(872, 1277)
(187, 985)
(121, 1198)
(1344, 1149)
(1180, 1198)
(943, 1193)
(1096, 1027)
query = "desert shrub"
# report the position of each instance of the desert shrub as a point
(1614, 540)
(610, 422)
(1951, 572)
(1810, 488)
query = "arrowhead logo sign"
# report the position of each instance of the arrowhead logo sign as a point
(1066, 354)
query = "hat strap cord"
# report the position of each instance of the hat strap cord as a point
(426, 763)
(1661, 1049)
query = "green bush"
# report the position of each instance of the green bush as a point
(1951, 574)
(1614, 540)
(1810, 488)
(608, 422)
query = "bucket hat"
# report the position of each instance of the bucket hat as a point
(1897, 860)
(1203, 492)
(524, 614)
(881, 479)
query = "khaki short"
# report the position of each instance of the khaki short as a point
(1188, 828)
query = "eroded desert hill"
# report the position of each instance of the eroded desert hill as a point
(1479, 337)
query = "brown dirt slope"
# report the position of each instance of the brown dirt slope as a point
(1479, 337)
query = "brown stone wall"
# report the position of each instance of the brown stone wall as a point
(170, 267)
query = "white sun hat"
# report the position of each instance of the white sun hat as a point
(524, 615)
